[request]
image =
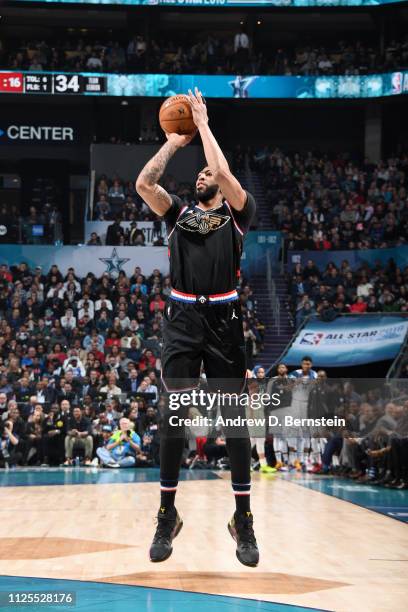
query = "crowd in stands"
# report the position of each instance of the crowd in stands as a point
(334, 203)
(212, 54)
(80, 364)
(337, 290)
(116, 199)
(38, 226)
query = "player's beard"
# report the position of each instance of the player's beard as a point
(207, 194)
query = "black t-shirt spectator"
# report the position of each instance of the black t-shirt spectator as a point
(114, 234)
(83, 424)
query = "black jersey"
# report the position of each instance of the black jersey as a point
(205, 247)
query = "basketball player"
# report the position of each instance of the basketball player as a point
(304, 377)
(202, 319)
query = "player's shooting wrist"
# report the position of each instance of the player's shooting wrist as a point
(202, 125)
(172, 145)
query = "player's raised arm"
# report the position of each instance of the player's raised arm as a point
(147, 183)
(230, 187)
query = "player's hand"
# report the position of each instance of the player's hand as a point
(198, 107)
(180, 140)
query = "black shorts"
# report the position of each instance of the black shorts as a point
(211, 334)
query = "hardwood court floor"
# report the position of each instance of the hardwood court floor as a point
(316, 550)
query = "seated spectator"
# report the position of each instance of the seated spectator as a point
(68, 321)
(55, 424)
(111, 389)
(94, 240)
(9, 441)
(115, 233)
(102, 208)
(35, 439)
(136, 236)
(78, 437)
(358, 306)
(122, 448)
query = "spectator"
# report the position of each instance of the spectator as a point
(78, 437)
(9, 441)
(122, 448)
(136, 236)
(94, 240)
(115, 233)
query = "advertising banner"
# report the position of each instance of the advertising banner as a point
(87, 259)
(228, 3)
(212, 86)
(349, 340)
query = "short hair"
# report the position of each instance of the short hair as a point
(307, 358)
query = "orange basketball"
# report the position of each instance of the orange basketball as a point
(175, 116)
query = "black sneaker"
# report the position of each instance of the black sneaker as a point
(241, 529)
(169, 525)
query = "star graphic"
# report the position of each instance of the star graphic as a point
(114, 263)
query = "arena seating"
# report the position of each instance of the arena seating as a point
(213, 54)
(91, 342)
(323, 202)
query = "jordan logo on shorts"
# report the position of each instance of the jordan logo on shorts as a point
(234, 316)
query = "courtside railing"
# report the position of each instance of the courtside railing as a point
(273, 296)
(91, 195)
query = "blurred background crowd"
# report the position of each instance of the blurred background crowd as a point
(210, 54)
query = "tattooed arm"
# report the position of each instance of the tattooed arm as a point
(147, 184)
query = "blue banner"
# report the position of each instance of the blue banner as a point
(223, 86)
(354, 258)
(86, 259)
(256, 246)
(349, 341)
(212, 86)
(228, 3)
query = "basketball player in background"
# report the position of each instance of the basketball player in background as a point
(202, 320)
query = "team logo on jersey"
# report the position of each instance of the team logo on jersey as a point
(202, 222)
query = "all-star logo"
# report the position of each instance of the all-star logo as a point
(240, 86)
(114, 263)
(202, 299)
(202, 222)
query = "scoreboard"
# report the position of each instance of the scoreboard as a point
(213, 86)
(55, 83)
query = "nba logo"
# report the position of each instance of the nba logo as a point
(396, 83)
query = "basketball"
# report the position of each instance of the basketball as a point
(175, 116)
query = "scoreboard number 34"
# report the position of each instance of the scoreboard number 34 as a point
(66, 83)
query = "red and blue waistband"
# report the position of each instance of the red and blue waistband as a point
(215, 298)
